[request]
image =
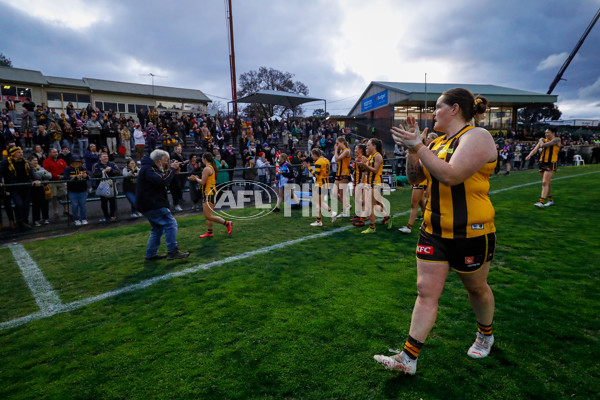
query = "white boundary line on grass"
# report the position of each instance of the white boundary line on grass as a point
(45, 296)
(61, 308)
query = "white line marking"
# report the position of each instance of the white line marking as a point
(44, 294)
(149, 282)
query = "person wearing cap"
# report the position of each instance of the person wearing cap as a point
(16, 170)
(77, 176)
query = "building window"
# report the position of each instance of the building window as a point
(108, 106)
(500, 118)
(14, 91)
(83, 100)
(98, 104)
(121, 107)
(140, 107)
(131, 108)
(8, 90)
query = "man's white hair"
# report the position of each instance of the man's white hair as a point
(158, 154)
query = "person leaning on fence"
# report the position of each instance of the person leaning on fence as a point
(222, 175)
(105, 169)
(152, 201)
(40, 194)
(56, 167)
(195, 167)
(16, 170)
(77, 176)
(130, 173)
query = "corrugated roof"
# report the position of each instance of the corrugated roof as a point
(145, 90)
(415, 93)
(277, 97)
(56, 80)
(411, 87)
(9, 74)
(27, 76)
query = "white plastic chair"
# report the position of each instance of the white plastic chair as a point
(578, 160)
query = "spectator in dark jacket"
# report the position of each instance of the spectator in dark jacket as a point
(152, 201)
(15, 169)
(76, 175)
(129, 186)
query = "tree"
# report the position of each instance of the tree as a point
(217, 107)
(320, 113)
(5, 61)
(269, 79)
(539, 112)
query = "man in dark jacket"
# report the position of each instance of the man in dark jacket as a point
(16, 170)
(152, 201)
(77, 177)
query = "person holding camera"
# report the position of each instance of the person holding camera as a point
(154, 177)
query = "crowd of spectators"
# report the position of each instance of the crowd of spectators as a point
(68, 154)
(62, 157)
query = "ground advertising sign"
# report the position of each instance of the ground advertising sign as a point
(375, 101)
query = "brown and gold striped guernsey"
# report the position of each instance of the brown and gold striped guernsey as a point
(463, 210)
(343, 167)
(550, 153)
(210, 185)
(357, 174)
(374, 178)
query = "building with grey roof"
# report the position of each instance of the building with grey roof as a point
(121, 97)
(388, 103)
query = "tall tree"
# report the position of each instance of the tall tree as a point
(539, 112)
(269, 79)
(5, 61)
(320, 113)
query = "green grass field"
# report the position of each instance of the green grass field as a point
(303, 321)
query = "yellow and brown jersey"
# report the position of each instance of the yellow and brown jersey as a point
(463, 210)
(550, 153)
(374, 178)
(357, 174)
(343, 167)
(209, 185)
(321, 171)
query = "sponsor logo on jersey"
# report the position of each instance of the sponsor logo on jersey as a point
(477, 226)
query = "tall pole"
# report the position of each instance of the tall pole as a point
(426, 100)
(231, 57)
(573, 53)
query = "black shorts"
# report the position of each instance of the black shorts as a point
(464, 255)
(547, 166)
(208, 198)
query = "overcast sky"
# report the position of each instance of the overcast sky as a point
(335, 47)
